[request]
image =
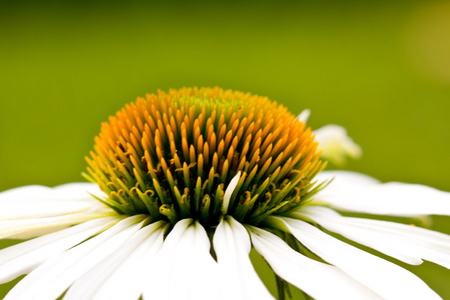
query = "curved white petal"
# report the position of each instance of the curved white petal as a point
(12, 209)
(117, 276)
(55, 275)
(397, 199)
(24, 192)
(29, 228)
(24, 257)
(239, 279)
(317, 279)
(38, 201)
(76, 190)
(229, 191)
(79, 190)
(335, 144)
(344, 180)
(133, 273)
(183, 268)
(404, 242)
(32, 211)
(304, 116)
(386, 279)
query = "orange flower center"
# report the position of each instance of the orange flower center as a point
(172, 155)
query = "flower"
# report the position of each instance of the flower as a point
(185, 183)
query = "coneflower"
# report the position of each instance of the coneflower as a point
(185, 183)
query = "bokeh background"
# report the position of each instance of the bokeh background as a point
(379, 68)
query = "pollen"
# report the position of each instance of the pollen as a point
(172, 155)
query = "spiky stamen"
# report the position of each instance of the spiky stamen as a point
(171, 156)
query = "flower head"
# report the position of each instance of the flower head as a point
(170, 156)
(185, 183)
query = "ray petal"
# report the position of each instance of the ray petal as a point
(55, 275)
(386, 279)
(232, 246)
(317, 279)
(184, 268)
(407, 243)
(354, 192)
(24, 257)
(117, 276)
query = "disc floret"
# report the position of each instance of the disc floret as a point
(172, 155)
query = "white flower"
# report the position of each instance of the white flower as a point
(121, 242)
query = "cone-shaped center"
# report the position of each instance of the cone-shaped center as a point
(172, 155)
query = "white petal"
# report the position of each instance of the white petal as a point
(335, 144)
(397, 199)
(121, 265)
(345, 179)
(75, 190)
(403, 242)
(386, 279)
(80, 190)
(39, 201)
(55, 275)
(229, 191)
(29, 228)
(12, 209)
(239, 279)
(132, 273)
(32, 211)
(319, 280)
(304, 116)
(184, 268)
(24, 257)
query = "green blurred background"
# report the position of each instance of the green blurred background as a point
(379, 68)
